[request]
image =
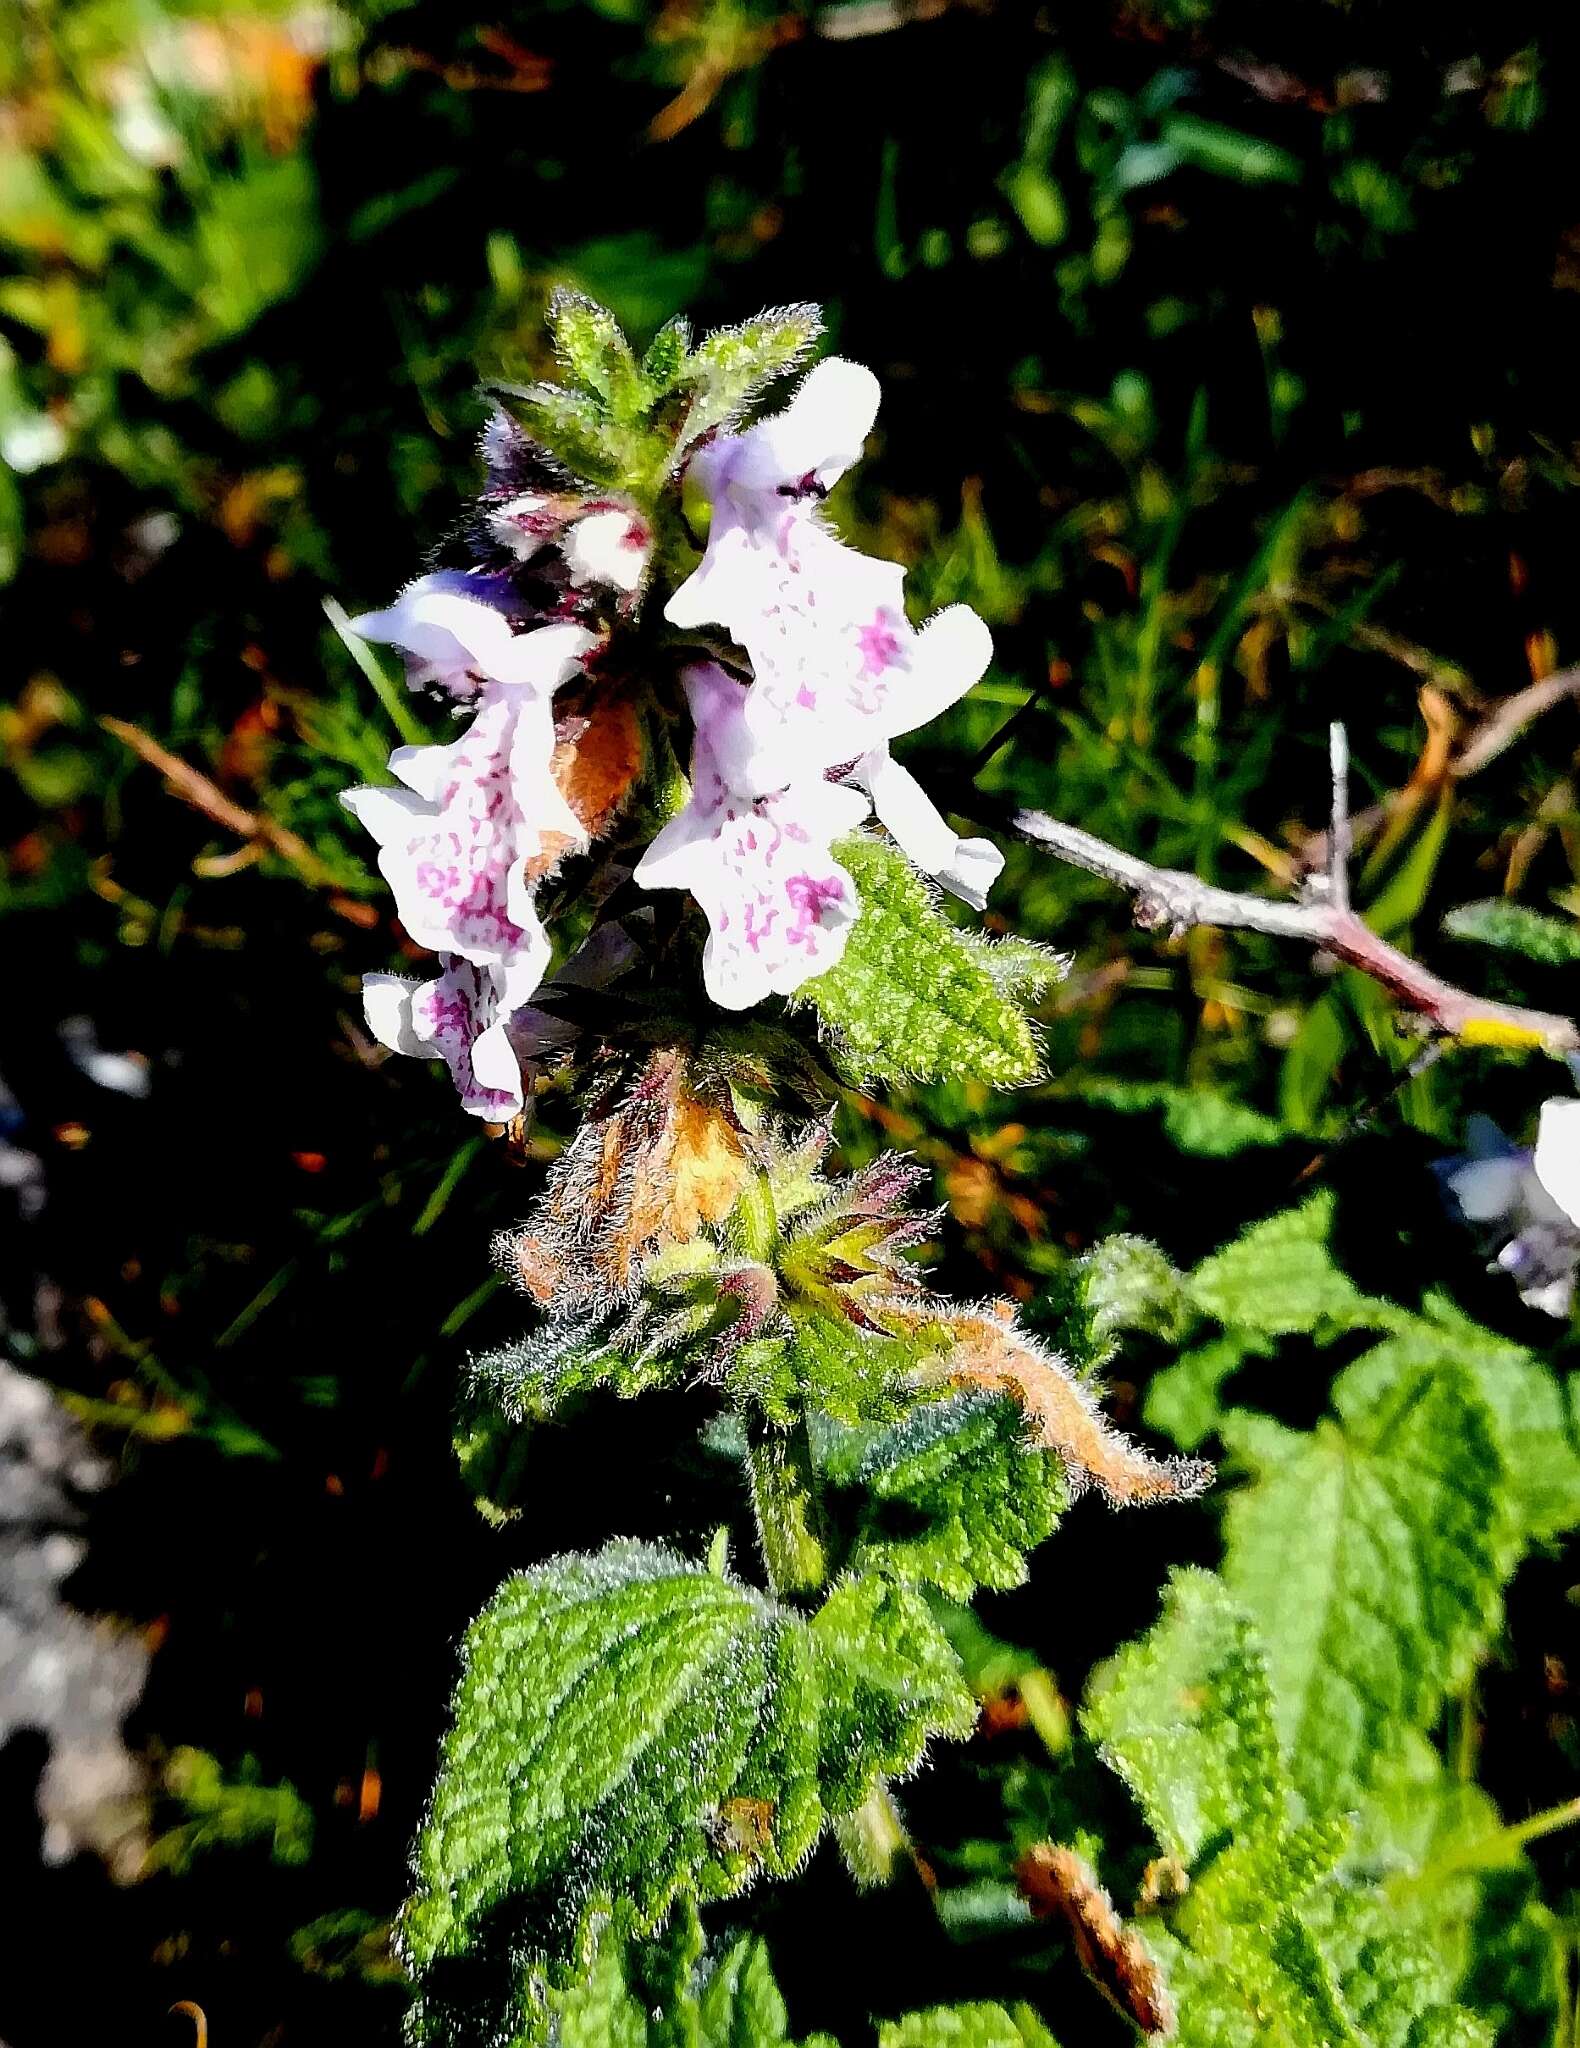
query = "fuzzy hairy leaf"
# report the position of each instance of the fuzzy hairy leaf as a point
(955, 1496)
(1123, 1283)
(886, 1681)
(1185, 1715)
(1512, 928)
(1280, 1277)
(967, 2026)
(913, 997)
(1371, 1555)
(618, 1720)
(733, 365)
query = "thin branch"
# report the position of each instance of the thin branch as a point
(1507, 720)
(195, 788)
(1340, 841)
(1169, 898)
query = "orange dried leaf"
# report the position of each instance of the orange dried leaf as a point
(991, 1350)
(1056, 1881)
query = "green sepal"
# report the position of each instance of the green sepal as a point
(732, 366)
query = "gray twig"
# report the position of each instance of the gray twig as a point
(1322, 917)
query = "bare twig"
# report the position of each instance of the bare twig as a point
(195, 788)
(1507, 720)
(1321, 917)
(1339, 837)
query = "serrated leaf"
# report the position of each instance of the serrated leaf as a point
(887, 1681)
(913, 997)
(613, 1712)
(1371, 1556)
(955, 1497)
(734, 365)
(1184, 1400)
(967, 2026)
(1530, 1416)
(1512, 928)
(1185, 1715)
(1280, 1278)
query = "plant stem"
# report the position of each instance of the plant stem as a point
(784, 1499)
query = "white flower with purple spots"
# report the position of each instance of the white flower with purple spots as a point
(454, 630)
(839, 671)
(779, 906)
(455, 842)
(459, 1017)
(456, 839)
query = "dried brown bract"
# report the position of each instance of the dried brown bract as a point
(1056, 1881)
(989, 1349)
(648, 1169)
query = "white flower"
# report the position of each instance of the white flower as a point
(968, 868)
(779, 905)
(455, 842)
(1523, 1205)
(1557, 1156)
(608, 544)
(453, 629)
(460, 1018)
(839, 670)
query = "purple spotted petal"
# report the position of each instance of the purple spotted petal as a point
(777, 902)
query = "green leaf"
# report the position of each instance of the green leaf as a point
(1280, 1277)
(741, 2006)
(619, 1720)
(1371, 1554)
(645, 1994)
(565, 1356)
(1121, 1285)
(967, 2026)
(913, 997)
(1185, 1399)
(887, 1680)
(1185, 1716)
(733, 365)
(955, 1497)
(1204, 1121)
(1512, 928)
(1524, 1398)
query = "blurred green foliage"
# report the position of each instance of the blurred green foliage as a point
(1229, 368)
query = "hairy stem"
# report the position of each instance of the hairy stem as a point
(784, 1499)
